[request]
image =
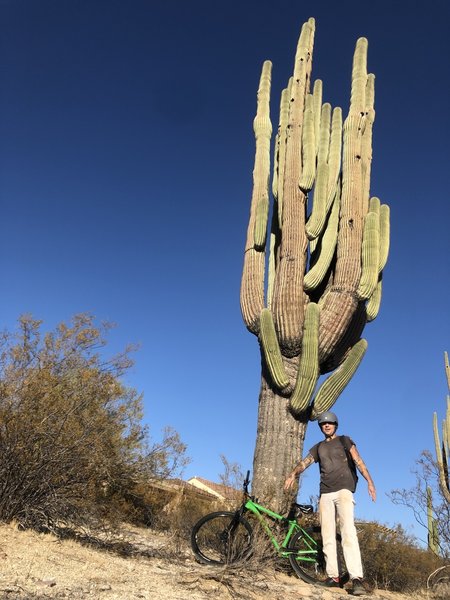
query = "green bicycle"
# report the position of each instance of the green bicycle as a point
(226, 537)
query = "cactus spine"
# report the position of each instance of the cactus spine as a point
(443, 449)
(324, 272)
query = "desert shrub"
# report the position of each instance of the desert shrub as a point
(72, 445)
(392, 560)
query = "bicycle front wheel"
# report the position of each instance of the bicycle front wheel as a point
(221, 538)
(307, 557)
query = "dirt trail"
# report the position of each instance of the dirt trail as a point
(41, 566)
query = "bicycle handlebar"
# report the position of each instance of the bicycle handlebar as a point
(246, 482)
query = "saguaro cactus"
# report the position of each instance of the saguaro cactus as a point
(443, 449)
(433, 535)
(328, 244)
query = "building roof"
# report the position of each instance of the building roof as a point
(219, 490)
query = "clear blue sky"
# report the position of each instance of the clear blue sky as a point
(126, 153)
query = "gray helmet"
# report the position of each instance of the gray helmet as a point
(327, 417)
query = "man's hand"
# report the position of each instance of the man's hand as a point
(372, 491)
(292, 478)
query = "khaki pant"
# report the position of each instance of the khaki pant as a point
(341, 505)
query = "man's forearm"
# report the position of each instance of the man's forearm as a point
(302, 465)
(365, 473)
(360, 465)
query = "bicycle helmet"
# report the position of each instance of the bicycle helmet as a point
(327, 417)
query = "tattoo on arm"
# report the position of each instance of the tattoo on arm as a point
(304, 464)
(360, 465)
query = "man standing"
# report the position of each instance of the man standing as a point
(337, 457)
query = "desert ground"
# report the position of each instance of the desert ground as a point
(138, 563)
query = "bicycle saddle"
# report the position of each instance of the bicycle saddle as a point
(298, 509)
(304, 508)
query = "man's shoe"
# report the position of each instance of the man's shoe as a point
(332, 582)
(358, 588)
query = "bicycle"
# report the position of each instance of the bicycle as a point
(226, 537)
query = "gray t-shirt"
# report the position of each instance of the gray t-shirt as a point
(335, 474)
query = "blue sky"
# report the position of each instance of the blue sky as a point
(126, 153)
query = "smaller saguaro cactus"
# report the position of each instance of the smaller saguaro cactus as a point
(443, 448)
(433, 536)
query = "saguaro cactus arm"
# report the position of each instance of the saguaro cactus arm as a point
(308, 370)
(252, 283)
(319, 267)
(332, 387)
(271, 350)
(288, 302)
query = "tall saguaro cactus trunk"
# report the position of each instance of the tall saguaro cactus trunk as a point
(327, 244)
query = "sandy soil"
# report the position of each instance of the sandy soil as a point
(139, 563)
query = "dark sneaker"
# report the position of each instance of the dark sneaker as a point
(358, 588)
(332, 582)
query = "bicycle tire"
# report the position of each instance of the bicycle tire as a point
(222, 538)
(313, 570)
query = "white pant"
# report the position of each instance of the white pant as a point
(340, 504)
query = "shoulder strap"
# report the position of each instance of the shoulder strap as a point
(343, 440)
(351, 462)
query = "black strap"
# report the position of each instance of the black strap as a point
(350, 461)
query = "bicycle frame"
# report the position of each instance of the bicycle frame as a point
(309, 555)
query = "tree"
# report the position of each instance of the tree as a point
(71, 439)
(325, 264)
(233, 475)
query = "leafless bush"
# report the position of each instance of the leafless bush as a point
(233, 475)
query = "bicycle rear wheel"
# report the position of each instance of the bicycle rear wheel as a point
(307, 557)
(221, 538)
